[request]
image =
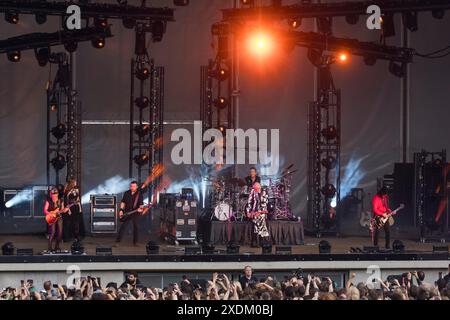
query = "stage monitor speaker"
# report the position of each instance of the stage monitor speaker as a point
(24, 252)
(283, 250)
(371, 249)
(192, 250)
(103, 251)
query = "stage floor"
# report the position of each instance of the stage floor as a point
(339, 245)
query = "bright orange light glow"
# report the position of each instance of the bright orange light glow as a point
(260, 44)
(343, 57)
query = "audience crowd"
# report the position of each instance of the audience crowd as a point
(407, 286)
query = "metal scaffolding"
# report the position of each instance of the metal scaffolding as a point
(63, 125)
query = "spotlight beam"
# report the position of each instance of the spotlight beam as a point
(108, 11)
(331, 9)
(39, 40)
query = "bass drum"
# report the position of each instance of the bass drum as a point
(222, 212)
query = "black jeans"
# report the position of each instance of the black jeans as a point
(387, 233)
(123, 227)
(55, 234)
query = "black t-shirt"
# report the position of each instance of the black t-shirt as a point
(130, 200)
(250, 183)
(245, 282)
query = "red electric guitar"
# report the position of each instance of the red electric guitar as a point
(53, 216)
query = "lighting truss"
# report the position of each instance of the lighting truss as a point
(319, 41)
(39, 40)
(108, 11)
(299, 11)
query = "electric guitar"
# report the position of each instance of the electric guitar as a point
(129, 213)
(380, 221)
(252, 215)
(364, 221)
(53, 216)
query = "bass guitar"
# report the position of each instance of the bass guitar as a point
(53, 216)
(130, 213)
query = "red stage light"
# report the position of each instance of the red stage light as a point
(260, 44)
(343, 57)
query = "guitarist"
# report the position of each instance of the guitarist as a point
(256, 210)
(132, 200)
(380, 205)
(53, 205)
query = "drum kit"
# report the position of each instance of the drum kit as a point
(229, 197)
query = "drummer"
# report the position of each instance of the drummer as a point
(252, 179)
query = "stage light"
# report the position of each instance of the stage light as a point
(233, 248)
(181, 3)
(352, 19)
(42, 56)
(370, 60)
(437, 162)
(158, 29)
(13, 56)
(410, 20)
(220, 73)
(315, 57)
(100, 22)
(142, 73)
(129, 23)
(221, 103)
(398, 246)
(248, 2)
(77, 248)
(396, 69)
(329, 133)
(438, 14)
(142, 102)
(266, 247)
(329, 162)
(333, 202)
(152, 248)
(8, 249)
(58, 162)
(388, 26)
(142, 130)
(12, 17)
(208, 248)
(324, 247)
(71, 46)
(371, 249)
(222, 129)
(260, 44)
(98, 43)
(40, 18)
(343, 57)
(53, 104)
(295, 23)
(329, 190)
(141, 160)
(59, 131)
